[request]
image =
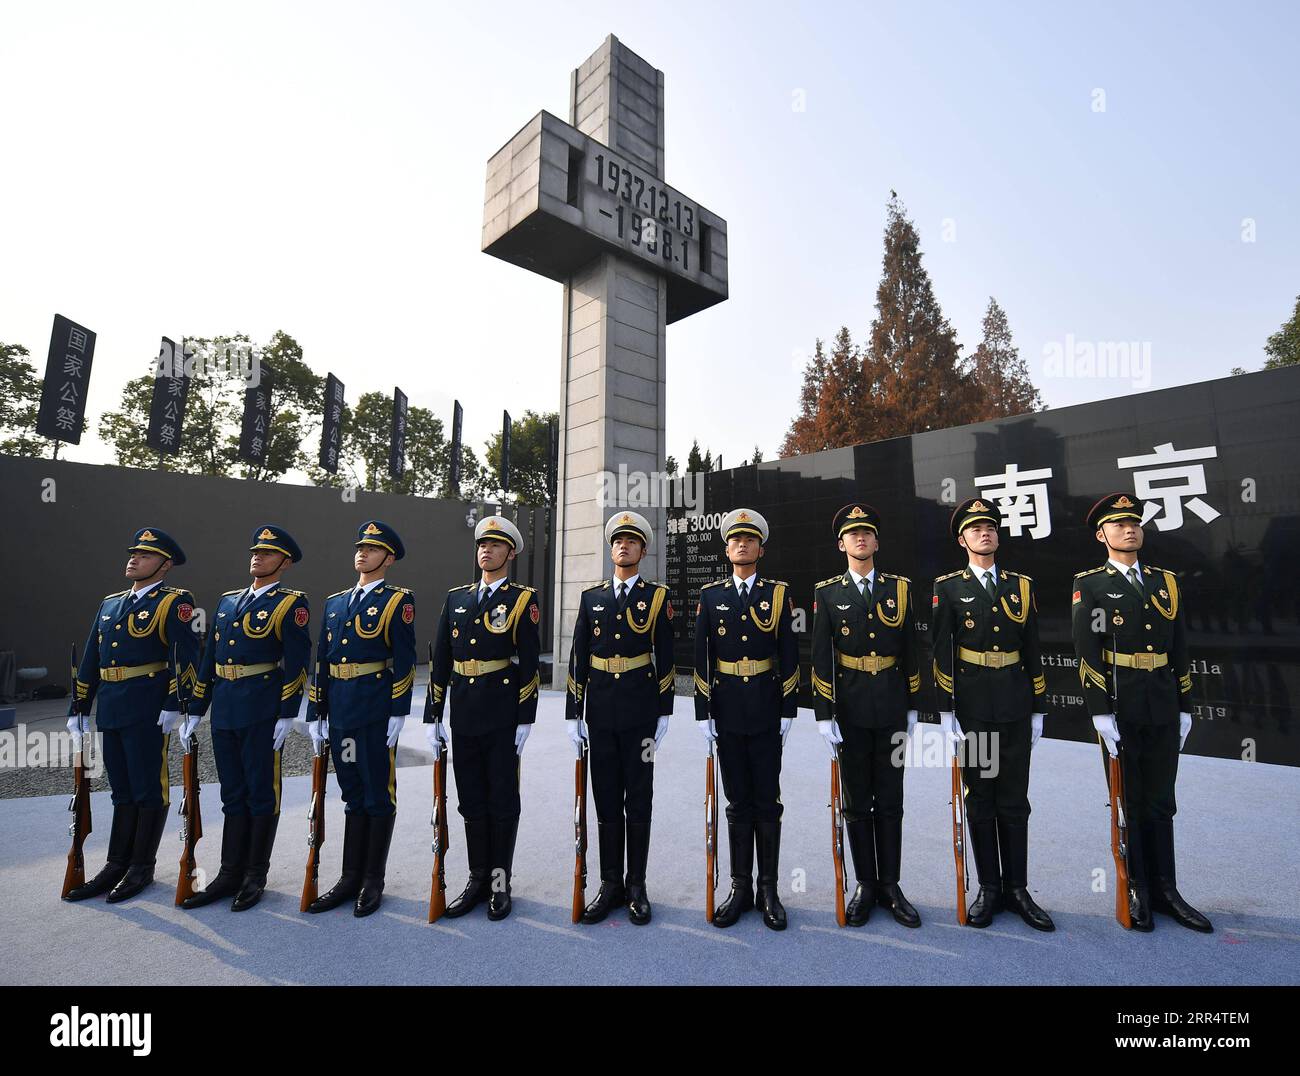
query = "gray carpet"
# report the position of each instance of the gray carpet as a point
(1238, 861)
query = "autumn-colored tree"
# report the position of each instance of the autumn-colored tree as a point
(913, 360)
(1000, 372)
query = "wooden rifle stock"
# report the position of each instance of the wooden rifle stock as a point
(1118, 816)
(79, 828)
(958, 802)
(441, 835)
(580, 833)
(190, 814)
(710, 832)
(320, 765)
(837, 840)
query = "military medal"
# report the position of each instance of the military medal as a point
(499, 616)
(640, 607)
(765, 606)
(1015, 597)
(970, 623)
(142, 615)
(844, 629)
(1117, 620)
(371, 611)
(722, 630)
(595, 630)
(1164, 593)
(261, 615)
(889, 602)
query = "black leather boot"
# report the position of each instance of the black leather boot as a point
(1013, 838)
(234, 861)
(355, 828)
(503, 857)
(983, 837)
(889, 857)
(121, 836)
(261, 839)
(740, 836)
(862, 843)
(611, 894)
(638, 852)
(379, 837)
(149, 825)
(478, 851)
(768, 901)
(1139, 909)
(1165, 897)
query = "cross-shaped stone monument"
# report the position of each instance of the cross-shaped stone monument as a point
(585, 203)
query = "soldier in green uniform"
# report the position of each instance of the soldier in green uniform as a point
(1128, 620)
(865, 684)
(988, 672)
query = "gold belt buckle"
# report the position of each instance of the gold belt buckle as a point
(469, 668)
(1145, 662)
(616, 664)
(112, 675)
(346, 672)
(747, 667)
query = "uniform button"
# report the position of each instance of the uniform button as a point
(743, 616)
(996, 628)
(995, 610)
(743, 638)
(232, 642)
(345, 642)
(617, 635)
(871, 635)
(506, 680)
(1149, 647)
(115, 644)
(471, 679)
(745, 678)
(871, 616)
(1148, 627)
(873, 653)
(995, 648)
(112, 662)
(473, 642)
(117, 627)
(617, 675)
(378, 675)
(618, 616)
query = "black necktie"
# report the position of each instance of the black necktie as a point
(354, 603)
(989, 585)
(744, 594)
(483, 592)
(244, 599)
(622, 595)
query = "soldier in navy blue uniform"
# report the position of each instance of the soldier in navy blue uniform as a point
(485, 661)
(985, 620)
(746, 679)
(621, 671)
(1129, 621)
(140, 649)
(866, 682)
(365, 665)
(253, 673)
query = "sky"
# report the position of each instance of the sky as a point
(1114, 174)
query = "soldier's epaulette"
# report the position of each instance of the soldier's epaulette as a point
(950, 575)
(167, 589)
(524, 586)
(339, 593)
(1090, 571)
(891, 575)
(463, 586)
(227, 593)
(596, 586)
(715, 583)
(116, 594)
(295, 593)
(828, 582)
(776, 582)
(1017, 575)
(1154, 570)
(400, 590)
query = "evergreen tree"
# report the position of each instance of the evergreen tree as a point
(1283, 347)
(1000, 372)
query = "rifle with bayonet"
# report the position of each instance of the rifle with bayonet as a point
(1118, 815)
(710, 832)
(958, 802)
(191, 817)
(580, 832)
(320, 768)
(79, 805)
(837, 838)
(441, 833)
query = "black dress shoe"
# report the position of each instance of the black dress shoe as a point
(611, 895)
(478, 850)
(1017, 898)
(987, 903)
(470, 897)
(1165, 898)
(503, 836)
(261, 839)
(150, 822)
(1139, 910)
(120, 837)
(769, 903)
(355, 828)
(234, 856)
(891, 896)
(499, 904)
(859, 908)
(638, 904)
(739, 900)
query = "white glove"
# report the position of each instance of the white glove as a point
(319, 731)
(395, 729)
(521, 737)
(911, 722)
(708, 730)
(577, 730)
(78, 726)
(830, 731)
(661, 730)
(282, 729)
(1035, 729)
(786, 722)
(187, 729)
(436, 737)
(168, 720)
(1108, 730)
(1184, 727)
(951, 727)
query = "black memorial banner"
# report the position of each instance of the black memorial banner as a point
(1215, 463)
(505, 452)
(397, 443)
(67, 378)
(254, 434)
(171, 389)
(331, 427)
(453, 467)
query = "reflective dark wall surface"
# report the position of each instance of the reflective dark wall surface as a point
(1219, 463)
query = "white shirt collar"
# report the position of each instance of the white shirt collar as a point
(870, 577)
(978, 572)
(365, 588)
(1123, 568)
(631, 582)
(736, 581)
(139, 594)
(257, 592)
(492, 587)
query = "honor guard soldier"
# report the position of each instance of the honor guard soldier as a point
(1129, 623)
(621, 668)
(485, 659)
(360, 699)
(746, 679)
(140, 649)
(865, 686)
(253, 674)
(988, 672)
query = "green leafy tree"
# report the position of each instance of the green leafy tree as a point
(20, 402)
(1283, 347)
(530, 439)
